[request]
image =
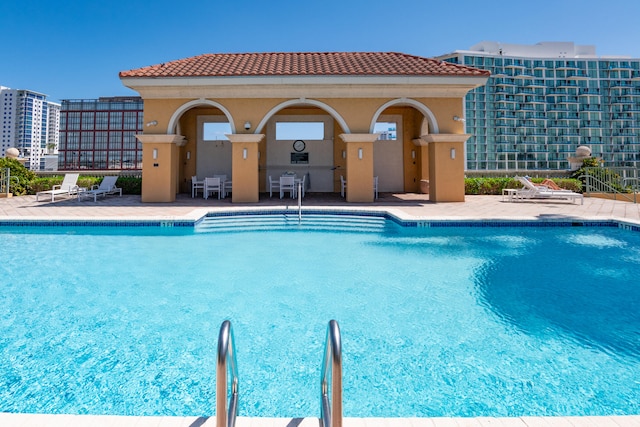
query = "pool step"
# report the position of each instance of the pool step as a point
(317, 222)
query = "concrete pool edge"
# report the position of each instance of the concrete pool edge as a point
(45, 420)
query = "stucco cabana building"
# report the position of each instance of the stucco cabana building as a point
(344, 93)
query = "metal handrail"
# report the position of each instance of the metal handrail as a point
(226, 415)
(299, 202)
(331, 407)
(596, 184)
(5, 180)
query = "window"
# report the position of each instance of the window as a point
(387, 131)
(215, 131)
(300, 130)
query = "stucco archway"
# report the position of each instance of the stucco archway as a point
(302, 101)
(426, 112)
(175, 117)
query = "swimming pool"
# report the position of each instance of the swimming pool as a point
(456, 321)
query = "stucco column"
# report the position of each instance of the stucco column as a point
(159, 167)
(446, 166)
(423, 155)
(244, 167)
(359, 174)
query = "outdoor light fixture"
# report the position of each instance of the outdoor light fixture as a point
(152, 123)
(244, 153)
(344, 154)
(155, 153)
(413, 154)
(453, 153)
(360, 153)
(458, 119)
(247, 125)
(188, 155)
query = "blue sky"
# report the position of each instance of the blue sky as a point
(75, 49)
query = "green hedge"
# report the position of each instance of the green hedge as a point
(494, 186)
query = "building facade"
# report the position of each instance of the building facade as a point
(30, 123)
(100, 134)
(543, 101)
(350, 97)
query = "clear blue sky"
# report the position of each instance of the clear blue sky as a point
(75, 49)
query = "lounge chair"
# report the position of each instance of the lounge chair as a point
(107, 186)
(533, 191)
(67, 188)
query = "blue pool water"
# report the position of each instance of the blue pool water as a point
(435, 321)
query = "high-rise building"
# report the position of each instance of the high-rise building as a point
(30, 123)
(101, 133)
(543, 101)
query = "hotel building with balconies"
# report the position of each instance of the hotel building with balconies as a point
(543, 101)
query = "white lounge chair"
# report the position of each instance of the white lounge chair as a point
(67, 188)
(107, 186)
(532, 191)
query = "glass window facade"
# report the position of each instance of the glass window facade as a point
(101, 134)
(533, 113)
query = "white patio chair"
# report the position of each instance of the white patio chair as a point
(227, 187)
(302, 184)
(273, 185)
(212, 185)
(196, 186)
(343, 185)
(375, 187)
(288, 183)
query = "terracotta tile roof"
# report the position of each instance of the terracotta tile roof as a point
(305, 64)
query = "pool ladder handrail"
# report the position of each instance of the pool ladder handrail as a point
(226, 415)
(331, 408)
(299, 202)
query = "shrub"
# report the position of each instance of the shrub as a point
(130, 185)
(21, 177)
(494, 186)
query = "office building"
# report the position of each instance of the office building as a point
(30, 123)
(100, 134)
(543, 101)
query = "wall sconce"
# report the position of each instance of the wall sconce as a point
(155, 153)
(344, 154)
(453, 153)
(188, 155)
(360, 153)
(244, 153)
(413, 154)
(247, 125)
(458, 119)
(152, 123)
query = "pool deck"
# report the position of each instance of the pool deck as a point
(404, 206)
